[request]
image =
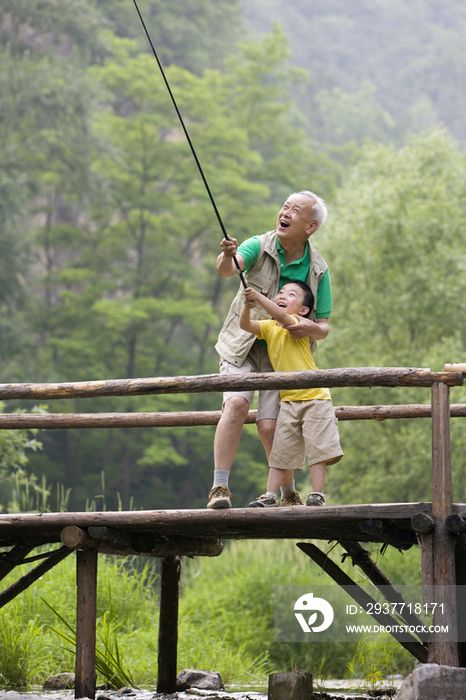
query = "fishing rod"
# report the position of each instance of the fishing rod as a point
(188, 138)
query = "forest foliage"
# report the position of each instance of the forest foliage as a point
(377, 68)
(108, 240)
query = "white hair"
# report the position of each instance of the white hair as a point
(319, 210)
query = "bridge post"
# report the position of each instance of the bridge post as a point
(86, 609)
(444, 570)
(168, 625)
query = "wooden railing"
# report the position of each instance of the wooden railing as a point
(433, 528)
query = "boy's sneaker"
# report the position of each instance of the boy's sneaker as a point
(264, 501)
(220, 497)
(291, 499)
(315, 498)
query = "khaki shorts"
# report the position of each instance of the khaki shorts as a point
(256, 361)
(305, 429)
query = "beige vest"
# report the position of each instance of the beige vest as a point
(233, 343)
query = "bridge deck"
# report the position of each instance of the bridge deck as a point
(387, 522)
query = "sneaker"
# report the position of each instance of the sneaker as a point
(315, 498)
(291, 499)
(264, 501)
(220, 497)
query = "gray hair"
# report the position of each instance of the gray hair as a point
(319, 210)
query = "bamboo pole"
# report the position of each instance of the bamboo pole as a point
(352, 376)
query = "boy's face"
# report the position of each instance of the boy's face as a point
(291, 298)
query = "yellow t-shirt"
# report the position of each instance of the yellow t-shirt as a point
(289, 354)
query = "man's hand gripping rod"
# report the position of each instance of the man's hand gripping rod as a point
(241, 276)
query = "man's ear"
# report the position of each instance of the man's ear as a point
(304, 311)
(312, 227)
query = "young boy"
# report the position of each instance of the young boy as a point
(306, 424)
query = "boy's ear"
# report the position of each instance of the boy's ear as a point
(304, 311)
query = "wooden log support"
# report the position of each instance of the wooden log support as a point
(444, 573)
(108, 540)
(163, 546)
(374, 526)
(416, 648)
(423, 523)
(76, 538)
(361, 557)
(9, 560)
(168, 625)
(352, 376)
(460, 561)
(455, 524)
(86, 609)
(32, 576)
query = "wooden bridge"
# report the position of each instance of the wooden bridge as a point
(436, 526)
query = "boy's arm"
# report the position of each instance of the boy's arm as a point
(279, 314)
(245, 321)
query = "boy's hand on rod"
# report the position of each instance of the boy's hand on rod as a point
(250, 297)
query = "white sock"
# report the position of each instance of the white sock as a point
(221, 476)
(272, 493)
(287, 488)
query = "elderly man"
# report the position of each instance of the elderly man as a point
(269, 261)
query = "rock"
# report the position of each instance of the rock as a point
(434, 682)
(126, 690)
(60, 681)
(206, 680)
(294, 685)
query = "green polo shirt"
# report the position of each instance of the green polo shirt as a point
(297, 270)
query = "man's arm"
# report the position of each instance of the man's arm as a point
(225, 264)
(317, 330)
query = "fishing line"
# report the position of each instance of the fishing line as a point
(188, 138)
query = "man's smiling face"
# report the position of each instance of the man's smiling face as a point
(295, 221)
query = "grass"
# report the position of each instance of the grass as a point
(225, 620)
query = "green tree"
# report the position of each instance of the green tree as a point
(133, 288)
(412, 52)
(344, 116)
(44, 141)
(397, 249)
(188, 33)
